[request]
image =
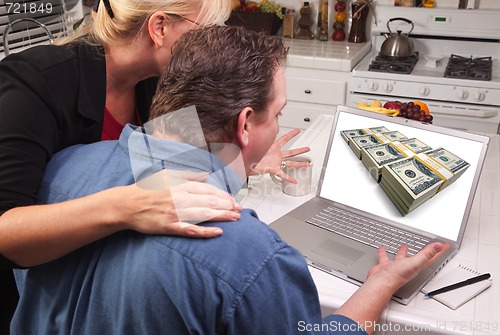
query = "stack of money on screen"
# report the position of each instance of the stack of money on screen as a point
(408, 170)
(348, 134)
(376, 156)
(357, 139)
(410, 182)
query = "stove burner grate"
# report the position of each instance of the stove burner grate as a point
(469, 68)
(391, 64)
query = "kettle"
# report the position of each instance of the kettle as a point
(398, 45)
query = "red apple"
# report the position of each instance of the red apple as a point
(393, 104)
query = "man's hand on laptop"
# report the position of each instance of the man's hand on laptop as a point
(367, 304)
(397, 272)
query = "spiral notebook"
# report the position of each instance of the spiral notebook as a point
(456, 298)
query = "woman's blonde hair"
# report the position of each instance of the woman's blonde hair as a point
(130, 17)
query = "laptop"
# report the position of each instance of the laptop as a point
(339, 229)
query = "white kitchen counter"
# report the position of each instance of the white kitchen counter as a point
(327, 55)
(480, 249)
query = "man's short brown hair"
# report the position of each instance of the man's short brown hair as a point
(220, 70)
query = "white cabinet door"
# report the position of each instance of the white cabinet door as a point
(301, 115)
(316, 86)
(318, 91)
(311, 93)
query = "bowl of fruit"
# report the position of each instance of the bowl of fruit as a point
(414, 110)
(258, 16)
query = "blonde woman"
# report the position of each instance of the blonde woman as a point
(85, 90)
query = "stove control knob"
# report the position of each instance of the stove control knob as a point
(463, 94)
(373, 86)
(387, 87)
(479, 96)
(424, 91)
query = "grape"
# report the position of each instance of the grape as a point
(272, 7)
(413, 111)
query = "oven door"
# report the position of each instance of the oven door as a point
(468, 117)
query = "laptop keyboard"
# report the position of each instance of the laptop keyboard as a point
(369, 232)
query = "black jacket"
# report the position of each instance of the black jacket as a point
(51, 97)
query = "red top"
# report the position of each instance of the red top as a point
(111, 129)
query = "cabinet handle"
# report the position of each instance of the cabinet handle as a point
(306, 119)
(307, 91)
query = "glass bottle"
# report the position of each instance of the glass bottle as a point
(339, 23)
(429, 4)
(289, 23)
(305, 22)
(322, 32)
(360, 11)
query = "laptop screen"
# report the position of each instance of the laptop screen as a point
(396, 181)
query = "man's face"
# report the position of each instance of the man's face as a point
(265, 131)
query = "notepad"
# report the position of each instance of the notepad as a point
(456, 298)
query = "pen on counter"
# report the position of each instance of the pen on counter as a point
(459, 284)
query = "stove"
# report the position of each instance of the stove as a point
(455, 70)
(460, 67)
(383, 63)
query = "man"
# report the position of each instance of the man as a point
(248, 281)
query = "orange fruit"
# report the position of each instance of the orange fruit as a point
(423, 106)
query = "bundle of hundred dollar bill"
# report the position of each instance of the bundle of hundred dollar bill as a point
(409, 171)
(348, 134)
(412, 181)
(376, 156)
(357, 139)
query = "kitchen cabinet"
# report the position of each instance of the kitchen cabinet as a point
(311, 93)
(317, 74)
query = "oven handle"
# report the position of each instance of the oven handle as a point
(479, 113)
(434, 107)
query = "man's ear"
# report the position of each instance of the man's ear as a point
(244, 126)
(156, 28)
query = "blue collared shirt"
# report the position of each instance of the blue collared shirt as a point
(248, 281)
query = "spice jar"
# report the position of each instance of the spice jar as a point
(289, 23)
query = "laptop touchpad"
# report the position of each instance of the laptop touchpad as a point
(338, 252)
